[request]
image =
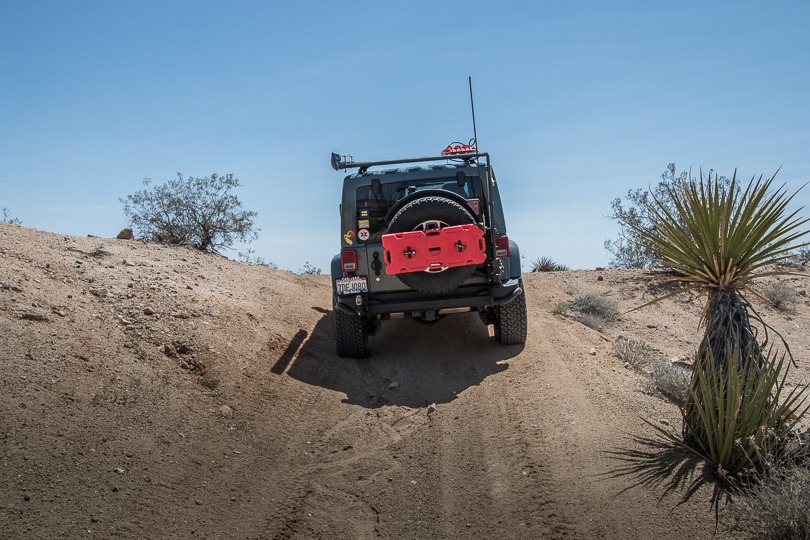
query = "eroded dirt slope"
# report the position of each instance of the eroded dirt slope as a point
(156, 392)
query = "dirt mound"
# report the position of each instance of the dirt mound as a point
(153, 391)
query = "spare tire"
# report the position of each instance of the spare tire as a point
(430, 213)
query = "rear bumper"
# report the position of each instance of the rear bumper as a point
(410, 303)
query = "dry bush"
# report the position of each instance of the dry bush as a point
(777, 507)
(669, 380)
(591, 321)
(637, 354)
(560, 308)
(781, 295)
(593, 311)
(596, 306)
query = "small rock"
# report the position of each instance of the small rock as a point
(394, 384)
(653, 326)
(148, 311)
(125, 234)
(33, 316)
(169, 350)
(600, 278)
(592, 352)
(119, 470)
(664, 421)
(431, 408)
(225, 411)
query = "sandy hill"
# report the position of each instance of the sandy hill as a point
(152, 391)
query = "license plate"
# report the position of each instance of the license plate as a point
(351, 285)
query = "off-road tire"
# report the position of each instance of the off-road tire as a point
(511, 322)
(432, 208)
(351, 335)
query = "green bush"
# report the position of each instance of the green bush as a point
(8, 218)
(200, 212)
(547, 264)
(746, 410)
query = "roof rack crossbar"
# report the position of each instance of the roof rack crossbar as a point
(339, 163)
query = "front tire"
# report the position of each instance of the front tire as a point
(511, 322)
(351, 335)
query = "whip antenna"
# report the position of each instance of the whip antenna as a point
(472, 107)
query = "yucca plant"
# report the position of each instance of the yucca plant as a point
(718, 240)
(746, 411)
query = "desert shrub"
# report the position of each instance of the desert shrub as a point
(560, 308)
(596, 305)
(201, 212)
(593, 311)
(593, 322)
(803, 254)
(781, 295)
(309, 270)
(639, 210)
(249, 256)
(669, 380)
(637, 354)
(9, 218)
(776, 508)
(547, 264)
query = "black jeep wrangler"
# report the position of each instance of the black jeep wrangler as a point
(421, 242)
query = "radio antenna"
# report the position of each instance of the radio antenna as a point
(472, 107)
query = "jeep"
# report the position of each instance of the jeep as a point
(422, 241)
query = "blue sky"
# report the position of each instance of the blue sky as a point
(577, 102)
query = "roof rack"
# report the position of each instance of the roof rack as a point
(347, 162)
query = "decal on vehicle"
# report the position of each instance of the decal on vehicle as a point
(363, 213)
(348, 237)
(363, 235)
(363, 224)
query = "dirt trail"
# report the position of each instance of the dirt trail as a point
(156, 392)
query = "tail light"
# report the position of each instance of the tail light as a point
(348, 260)
(502, 247)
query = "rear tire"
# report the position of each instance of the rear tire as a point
(351, 335)
(511, 322)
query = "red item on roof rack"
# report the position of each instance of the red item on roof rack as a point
(456, 148)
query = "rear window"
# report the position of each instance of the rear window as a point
(373, 207)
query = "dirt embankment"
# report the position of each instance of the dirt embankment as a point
(156, 392)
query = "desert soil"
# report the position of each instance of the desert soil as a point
(152, 391)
